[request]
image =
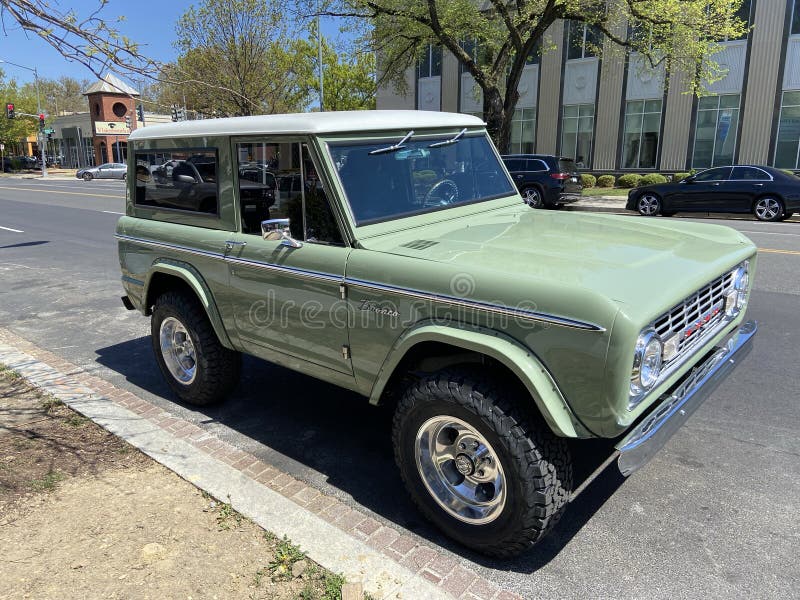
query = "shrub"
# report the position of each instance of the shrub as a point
(588, 180)
(606, 181)
(629, 180)
(680, 176)
(652, 179)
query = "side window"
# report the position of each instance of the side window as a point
(178, 180)
(514, 164)
(749, 174)
(537, 165)
(278, 180)
(719, 174)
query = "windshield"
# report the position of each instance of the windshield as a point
(417, 178)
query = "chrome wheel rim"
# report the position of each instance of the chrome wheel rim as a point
(532, 198)
(177, 350)
(648, 205)
(768, 209)
(460, 469)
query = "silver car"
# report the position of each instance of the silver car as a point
(104, 171)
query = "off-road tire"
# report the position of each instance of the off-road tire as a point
(217, 368)
(536, 463)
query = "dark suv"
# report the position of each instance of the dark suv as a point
(544, 181)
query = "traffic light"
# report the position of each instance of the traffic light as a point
(140, 113)
(41, 122)
(174, 113)
(10, 111)
(127, 121)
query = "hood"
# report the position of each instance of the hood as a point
(630, 261)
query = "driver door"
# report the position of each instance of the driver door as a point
(287, 298)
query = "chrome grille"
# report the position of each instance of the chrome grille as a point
(697, 317)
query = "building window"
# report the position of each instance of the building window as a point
(523, 131)
(577, 127)
(796, 18)
(430, 63)
(642, 133)
(787, 149)
(583, 40)
(715, 133)
(743, 14)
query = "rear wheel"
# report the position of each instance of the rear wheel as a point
(88, 177)
(532, 197)
(476, 466)
(768, 208)
(198, 368)
(787, 215)
(124, 177)
(648, 204)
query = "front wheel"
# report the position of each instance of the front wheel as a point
(198, 368)
(88, 177)
(787, 215)
(648, 205)
(476, 467)
(768, 209)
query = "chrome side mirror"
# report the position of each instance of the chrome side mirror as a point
(278, 229)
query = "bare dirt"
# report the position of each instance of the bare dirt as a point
(85, 515)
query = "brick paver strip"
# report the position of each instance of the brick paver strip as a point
(430, 563)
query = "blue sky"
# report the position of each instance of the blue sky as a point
(148, 23)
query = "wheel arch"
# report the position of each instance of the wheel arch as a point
(167, 276)
(434, 347)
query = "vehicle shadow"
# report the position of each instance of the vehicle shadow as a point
(335, 440)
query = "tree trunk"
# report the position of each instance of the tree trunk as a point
(495, 117)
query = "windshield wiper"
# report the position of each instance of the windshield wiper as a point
(451, 141)
(394, 147)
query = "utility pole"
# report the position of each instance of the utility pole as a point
(319, 58)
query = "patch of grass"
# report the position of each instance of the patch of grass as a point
(258, 577)
(77, 420)
(286, 554)
(48, 482)
(596, 191)
(49, 403)
(9, 374)
(333, 586)
(228, 518)
(308, 592)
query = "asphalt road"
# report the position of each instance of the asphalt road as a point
(713, 515)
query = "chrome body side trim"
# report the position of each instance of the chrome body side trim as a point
(518, 313)
(675, 407)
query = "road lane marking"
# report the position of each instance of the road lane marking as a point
(14, 230)
(111, 212)
(58, 192)
(774, 251)
(768, 232)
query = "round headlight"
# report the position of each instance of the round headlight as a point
(647, 362)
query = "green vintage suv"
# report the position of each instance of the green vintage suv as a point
(389, 252)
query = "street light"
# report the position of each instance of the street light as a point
(40, 137)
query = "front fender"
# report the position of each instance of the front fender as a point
(519, 359)
(189, 275)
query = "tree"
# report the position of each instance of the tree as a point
(681, 34)
(62, 95)
(237, 58)
(88, 39)
(19, 128)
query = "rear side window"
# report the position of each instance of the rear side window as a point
(178, 180)
(749, 174)
(566, 165)
(514, 164)
(537, 165)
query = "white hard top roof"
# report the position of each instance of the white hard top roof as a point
(310, 123)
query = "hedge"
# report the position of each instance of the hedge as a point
(606, 181)
(680, 176)
(652, 179)
(588, 180)
(629, 180)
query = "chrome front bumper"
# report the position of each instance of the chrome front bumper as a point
(674, 408)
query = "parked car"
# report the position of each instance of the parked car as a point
(104, 171)
(409, 272)
(7, 165)
(543, 180)
(768, 193)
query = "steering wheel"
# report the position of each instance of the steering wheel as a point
(443, 192)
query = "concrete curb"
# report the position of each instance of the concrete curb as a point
(389, 563)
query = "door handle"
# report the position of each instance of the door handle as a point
(229, 244)
(715, 184)
(519, 176)
(758, 184)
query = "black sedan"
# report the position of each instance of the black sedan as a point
(769, 194)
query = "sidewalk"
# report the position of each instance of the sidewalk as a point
(51, 174)
(613, 204)
(387, 561)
